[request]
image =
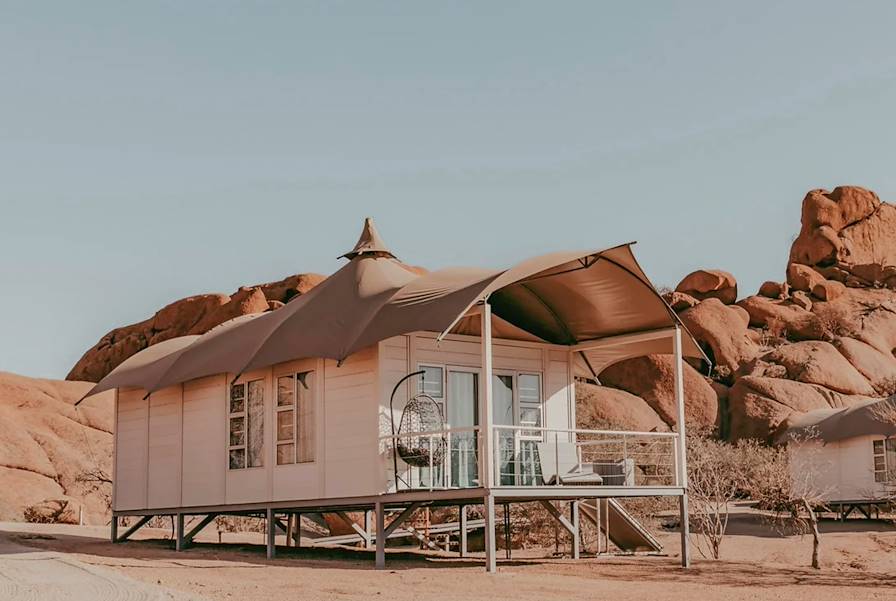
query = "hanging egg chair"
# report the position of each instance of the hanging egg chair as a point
(421, 414)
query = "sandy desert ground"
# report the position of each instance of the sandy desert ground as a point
(758, 565)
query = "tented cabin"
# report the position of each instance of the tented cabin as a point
(382, 390)
(846, 456)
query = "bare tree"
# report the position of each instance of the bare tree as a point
(715, 478)
(787, 481)
(99, 482)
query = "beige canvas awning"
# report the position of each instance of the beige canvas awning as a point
(144, 368)
(830, 425)
(562, 298)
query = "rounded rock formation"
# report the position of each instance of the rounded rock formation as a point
(722, 331)
(709, 283)
(651, 378)
(603, 407)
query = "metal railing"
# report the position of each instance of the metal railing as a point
(534, 456)
(440, 459)
(531, 456)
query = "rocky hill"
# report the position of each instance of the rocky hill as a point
(824, 337)
(50, 451)
(192, 315)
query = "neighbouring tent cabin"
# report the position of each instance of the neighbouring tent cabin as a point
(386, 389)
(846, 456)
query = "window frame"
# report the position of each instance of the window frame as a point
(295, 408)
(232, 415)
(888, 474)
(517, 403)
(520, 404)
(278, 409)
(244, 414)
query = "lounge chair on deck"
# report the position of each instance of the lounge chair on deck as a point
(560, 465)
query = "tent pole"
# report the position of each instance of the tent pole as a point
(486, 439)
(486, 463)
(682, 449)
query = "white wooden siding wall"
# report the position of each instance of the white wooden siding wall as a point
(559, 412)
(350, 426)
(842, 471)
(164, 448)
(394, 364)
(131, 435)
(204, 441)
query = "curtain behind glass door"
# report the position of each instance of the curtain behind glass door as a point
(503, 415)
(463, 412)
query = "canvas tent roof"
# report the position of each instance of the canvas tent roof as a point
(830, 425)
(561, 298)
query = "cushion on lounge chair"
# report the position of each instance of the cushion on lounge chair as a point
(560, 465)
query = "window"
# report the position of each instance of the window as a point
(432, 382)
(530, 402)
(246, 425)
(295, 418)
(884, 460)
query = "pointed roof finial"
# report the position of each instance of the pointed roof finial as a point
(369, 243)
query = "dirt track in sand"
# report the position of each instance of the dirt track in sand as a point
(758, 566)
(28, 574)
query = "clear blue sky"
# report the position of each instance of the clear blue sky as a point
(152, 152)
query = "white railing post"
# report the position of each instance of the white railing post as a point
(682, 449)
(679, 401)
(431, 465)
(446, 471)
(556, 458)
(487, 466)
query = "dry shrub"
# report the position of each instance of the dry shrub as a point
(97, 481)
(716, 476)
(238, 523)
(773, 335)
(51, 511)
(791, 494)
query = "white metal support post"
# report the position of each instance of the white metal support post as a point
(270, 533)
(486, 463)
(576, 535)
(682, 449)
(367, 529)
(462, 518)
(491, 562)
(380, 536)
(179, 533)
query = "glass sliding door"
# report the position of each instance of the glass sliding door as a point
(529, 409)
(503, 415)
(432, 383)
(463, 412)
